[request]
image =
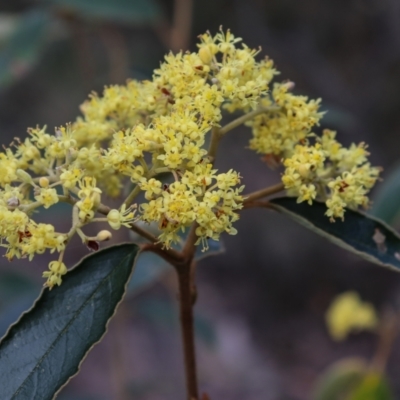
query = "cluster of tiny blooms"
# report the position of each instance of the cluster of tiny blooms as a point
(326, 170)
(145, 142)
(349, 313)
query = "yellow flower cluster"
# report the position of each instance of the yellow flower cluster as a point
(200, 196)
(340, 176)
(287, 121)
(135, 138)
(348, 313)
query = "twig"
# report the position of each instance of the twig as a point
(246, 117)
(128, 201)
(388, 333)
(256, 204)
(259, 194)
(187, 329)
(117, 54)
(189, 248)
(181, 25)
(215, 138)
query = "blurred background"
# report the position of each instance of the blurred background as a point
(261, 332)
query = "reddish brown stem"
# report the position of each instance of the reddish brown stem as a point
(186, 300)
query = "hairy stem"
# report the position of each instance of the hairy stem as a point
(128, 201)
(186, 299)
(215, 138)
(259, 194)
(246, 117)
(181, 25)
(189, 249)
(388, 333)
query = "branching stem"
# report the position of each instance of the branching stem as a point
(246, 117)
(128, 201)
(215, 138)
(259, 194)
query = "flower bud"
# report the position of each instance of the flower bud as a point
(103, 235)
(114, 219)
(58, 267)
(43, 182)
(205, 54)
(24, 176)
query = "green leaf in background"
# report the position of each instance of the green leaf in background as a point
(351, 379)
(45, 347)
(372, 387)
(150, 267)
(163, 313)
(386, 205)
(337, 382)
(126, 11)
(359, 233)
(22, 50)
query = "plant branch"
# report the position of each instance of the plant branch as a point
(187, 329)
(215, 138)
(257, 204)
(246, 117)
(388, 333)
(116, 52)
(189, 248)
(128, 201)
(259, 194)
(181, 25)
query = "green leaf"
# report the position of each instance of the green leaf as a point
(23, 48)
(340, 379)
(373, 387)
(386, 205)
(45, 348)
(127, 11)
(356, 233)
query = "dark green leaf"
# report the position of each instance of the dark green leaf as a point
(386, 204)
(357, 233)
(23, 48)
(128, 11)
(45, 347)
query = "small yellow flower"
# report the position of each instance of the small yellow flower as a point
(123, 217)
(56, 270)
(47, 197)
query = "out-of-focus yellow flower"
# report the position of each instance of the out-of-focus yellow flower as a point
(348, 313)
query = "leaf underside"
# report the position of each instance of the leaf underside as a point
(358, 232)
(45, 348)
